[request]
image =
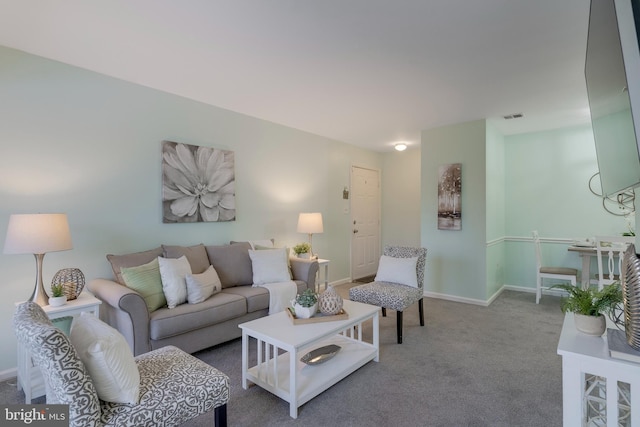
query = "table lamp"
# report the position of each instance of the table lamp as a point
(37, 234)
(310, 223)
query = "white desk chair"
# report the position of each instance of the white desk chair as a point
(610, 251)
(544, 272)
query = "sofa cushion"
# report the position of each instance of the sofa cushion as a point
(173, 273)
(165, 323)
(131, 260)
(232, 263)
(269, 243)
(196, 255)
(258, 297)
(269, 266)
(145, 279)
(202, 286)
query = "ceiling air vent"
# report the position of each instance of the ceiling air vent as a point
(513, 116)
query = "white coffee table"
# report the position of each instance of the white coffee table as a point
(281, 344)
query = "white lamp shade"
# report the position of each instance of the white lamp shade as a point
(310, 223)
(37, 234)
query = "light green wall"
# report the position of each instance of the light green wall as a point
(546, 189)
(495, 210)
(456, 264)
(401, 198)
(88, 145)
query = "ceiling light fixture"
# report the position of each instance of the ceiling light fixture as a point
(401, 146)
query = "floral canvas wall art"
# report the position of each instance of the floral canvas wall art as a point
(449, 197)
(198, 184)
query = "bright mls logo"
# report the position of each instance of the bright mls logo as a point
(34, 415)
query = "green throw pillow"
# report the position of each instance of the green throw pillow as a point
(145, 279)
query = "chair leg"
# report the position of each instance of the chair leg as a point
(399, 325)
(384, 312)
(220, 416)
(538, 289)
(421, 310)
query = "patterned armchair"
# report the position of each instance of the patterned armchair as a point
(174, 386)
(393, 295)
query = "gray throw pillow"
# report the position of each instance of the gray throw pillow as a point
(232, 263)
(196, 255)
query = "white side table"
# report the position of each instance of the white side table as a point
(322, 263)
(30, 378)
(596, 388)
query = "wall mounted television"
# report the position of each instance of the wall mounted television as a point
(612, 74)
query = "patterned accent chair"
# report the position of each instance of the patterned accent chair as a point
(393, 295)
(174, 386)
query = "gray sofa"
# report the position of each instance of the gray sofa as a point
(191, 327)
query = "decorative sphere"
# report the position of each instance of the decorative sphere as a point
(329, 302)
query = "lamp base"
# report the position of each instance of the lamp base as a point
(39, 296)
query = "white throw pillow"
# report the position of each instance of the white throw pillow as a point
(202, 286)
(398, 270)
(173, 273)
(108, 358)
(269, 266)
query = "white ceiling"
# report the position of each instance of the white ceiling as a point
(366, 72)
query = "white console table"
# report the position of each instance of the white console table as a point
(597, 390)
(30, 379)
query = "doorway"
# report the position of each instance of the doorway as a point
(365, 221)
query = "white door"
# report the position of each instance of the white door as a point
(365, 220)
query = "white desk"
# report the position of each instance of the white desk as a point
(322, 263)
(29, 377)
(591, 381)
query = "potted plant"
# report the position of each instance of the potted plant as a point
(306, 304)
(58, 297)
(302, 250)
(590, 305)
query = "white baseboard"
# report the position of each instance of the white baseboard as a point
(456, 298)
(8, 374)
(545, 291)
(341, 281)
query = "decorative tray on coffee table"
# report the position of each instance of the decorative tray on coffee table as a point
(320, 355)
(318, 317)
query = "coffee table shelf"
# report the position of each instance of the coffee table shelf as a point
(280, 345)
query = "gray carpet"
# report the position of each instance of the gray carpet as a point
(468, 366)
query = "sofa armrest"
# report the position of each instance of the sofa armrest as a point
(125, 310)
(305, 270)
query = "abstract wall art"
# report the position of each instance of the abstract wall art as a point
(449, 197)
(198, 184)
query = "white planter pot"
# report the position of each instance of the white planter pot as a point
(57, 301)
(590, 325)
(305, 312)
(305, 256)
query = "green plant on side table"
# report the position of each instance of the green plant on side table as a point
(590, 305)
(57, 290)
(302, 248)
(58, 297)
